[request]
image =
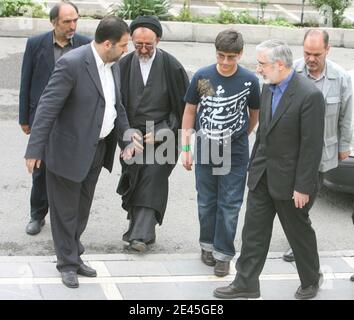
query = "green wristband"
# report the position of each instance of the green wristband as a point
(186, 148)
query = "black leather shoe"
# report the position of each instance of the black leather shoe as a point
(288, 256)
(231, 292)
(352, 278)
(307, 293)
(310, 291)
(86, 271)
(34, 226)
(221, 268)
(69, 278)
(207, 258)
(136, 246)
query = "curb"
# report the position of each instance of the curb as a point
(155, 256)
(185, 31)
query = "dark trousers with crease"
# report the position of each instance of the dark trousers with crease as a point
(257, 232)
(39, 199)
(70, 204)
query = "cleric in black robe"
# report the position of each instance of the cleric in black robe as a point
(153, 84)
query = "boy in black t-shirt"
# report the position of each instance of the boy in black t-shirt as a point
(222, 105)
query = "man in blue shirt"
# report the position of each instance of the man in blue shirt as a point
(218, 102)
(283, 174)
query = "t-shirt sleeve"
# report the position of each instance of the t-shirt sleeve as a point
(192, 95)
(254, 99)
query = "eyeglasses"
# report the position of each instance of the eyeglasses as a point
(263, 64)
(147, 46)
(228, 57)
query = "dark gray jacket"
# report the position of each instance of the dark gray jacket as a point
(288, 146)
(69, 117)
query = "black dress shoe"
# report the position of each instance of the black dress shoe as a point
(352, 278)
(310, 291)
(34, 226)
(86, 271)
(307, 293)
(221, 268)
(231, 292)
(288, 256)
(207, 258)
(69, 278)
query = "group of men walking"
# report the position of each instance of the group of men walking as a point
(77, 104)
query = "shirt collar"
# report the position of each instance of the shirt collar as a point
(323, 74)
(71, 41)
(98, 58)
(282, 85)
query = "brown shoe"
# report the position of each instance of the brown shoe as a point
(207, 258)
(221, 268)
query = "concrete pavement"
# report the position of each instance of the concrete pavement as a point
(162, 277)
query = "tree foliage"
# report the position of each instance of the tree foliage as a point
(338, 8)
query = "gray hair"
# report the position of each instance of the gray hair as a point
(277, 50)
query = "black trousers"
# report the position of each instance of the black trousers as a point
(257, 233)
(70, 204)
(39, 199)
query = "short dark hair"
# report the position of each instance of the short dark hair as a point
(54, 12)
(111, 28)
(323, 32)
(229, 40)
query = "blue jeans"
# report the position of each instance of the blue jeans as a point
(219, 201)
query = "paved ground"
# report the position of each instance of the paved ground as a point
(160, 277)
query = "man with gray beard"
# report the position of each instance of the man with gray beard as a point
(153, 86)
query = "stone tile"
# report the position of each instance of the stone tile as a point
(336, 290)
(44, 269)
(279, 289)
(150, 291)
(336, 264)
(200, 290)
(15, 270)
(188, 267)
(84, 292)
(20, 292)
(278, 266)
(136, 268)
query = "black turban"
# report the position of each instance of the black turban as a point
(150, 22)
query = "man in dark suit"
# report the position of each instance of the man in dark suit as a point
(42, 51)
(283, 174)
(75, 132)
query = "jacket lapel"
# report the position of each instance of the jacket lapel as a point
(267, 105)
(48, 51)
(284, 102)
(115, 72)
(92, 70)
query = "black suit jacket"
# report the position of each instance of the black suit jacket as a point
(69, 117)
(37, 67)
(288, 146)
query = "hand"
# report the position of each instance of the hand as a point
(300, 199)
(128, 152)
(32, 163)
(136, 138)
(343, 155)
(26, 128)
(149, 138)
(187, 160)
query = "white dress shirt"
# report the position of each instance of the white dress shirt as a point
(108, 86)
(145, 67)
